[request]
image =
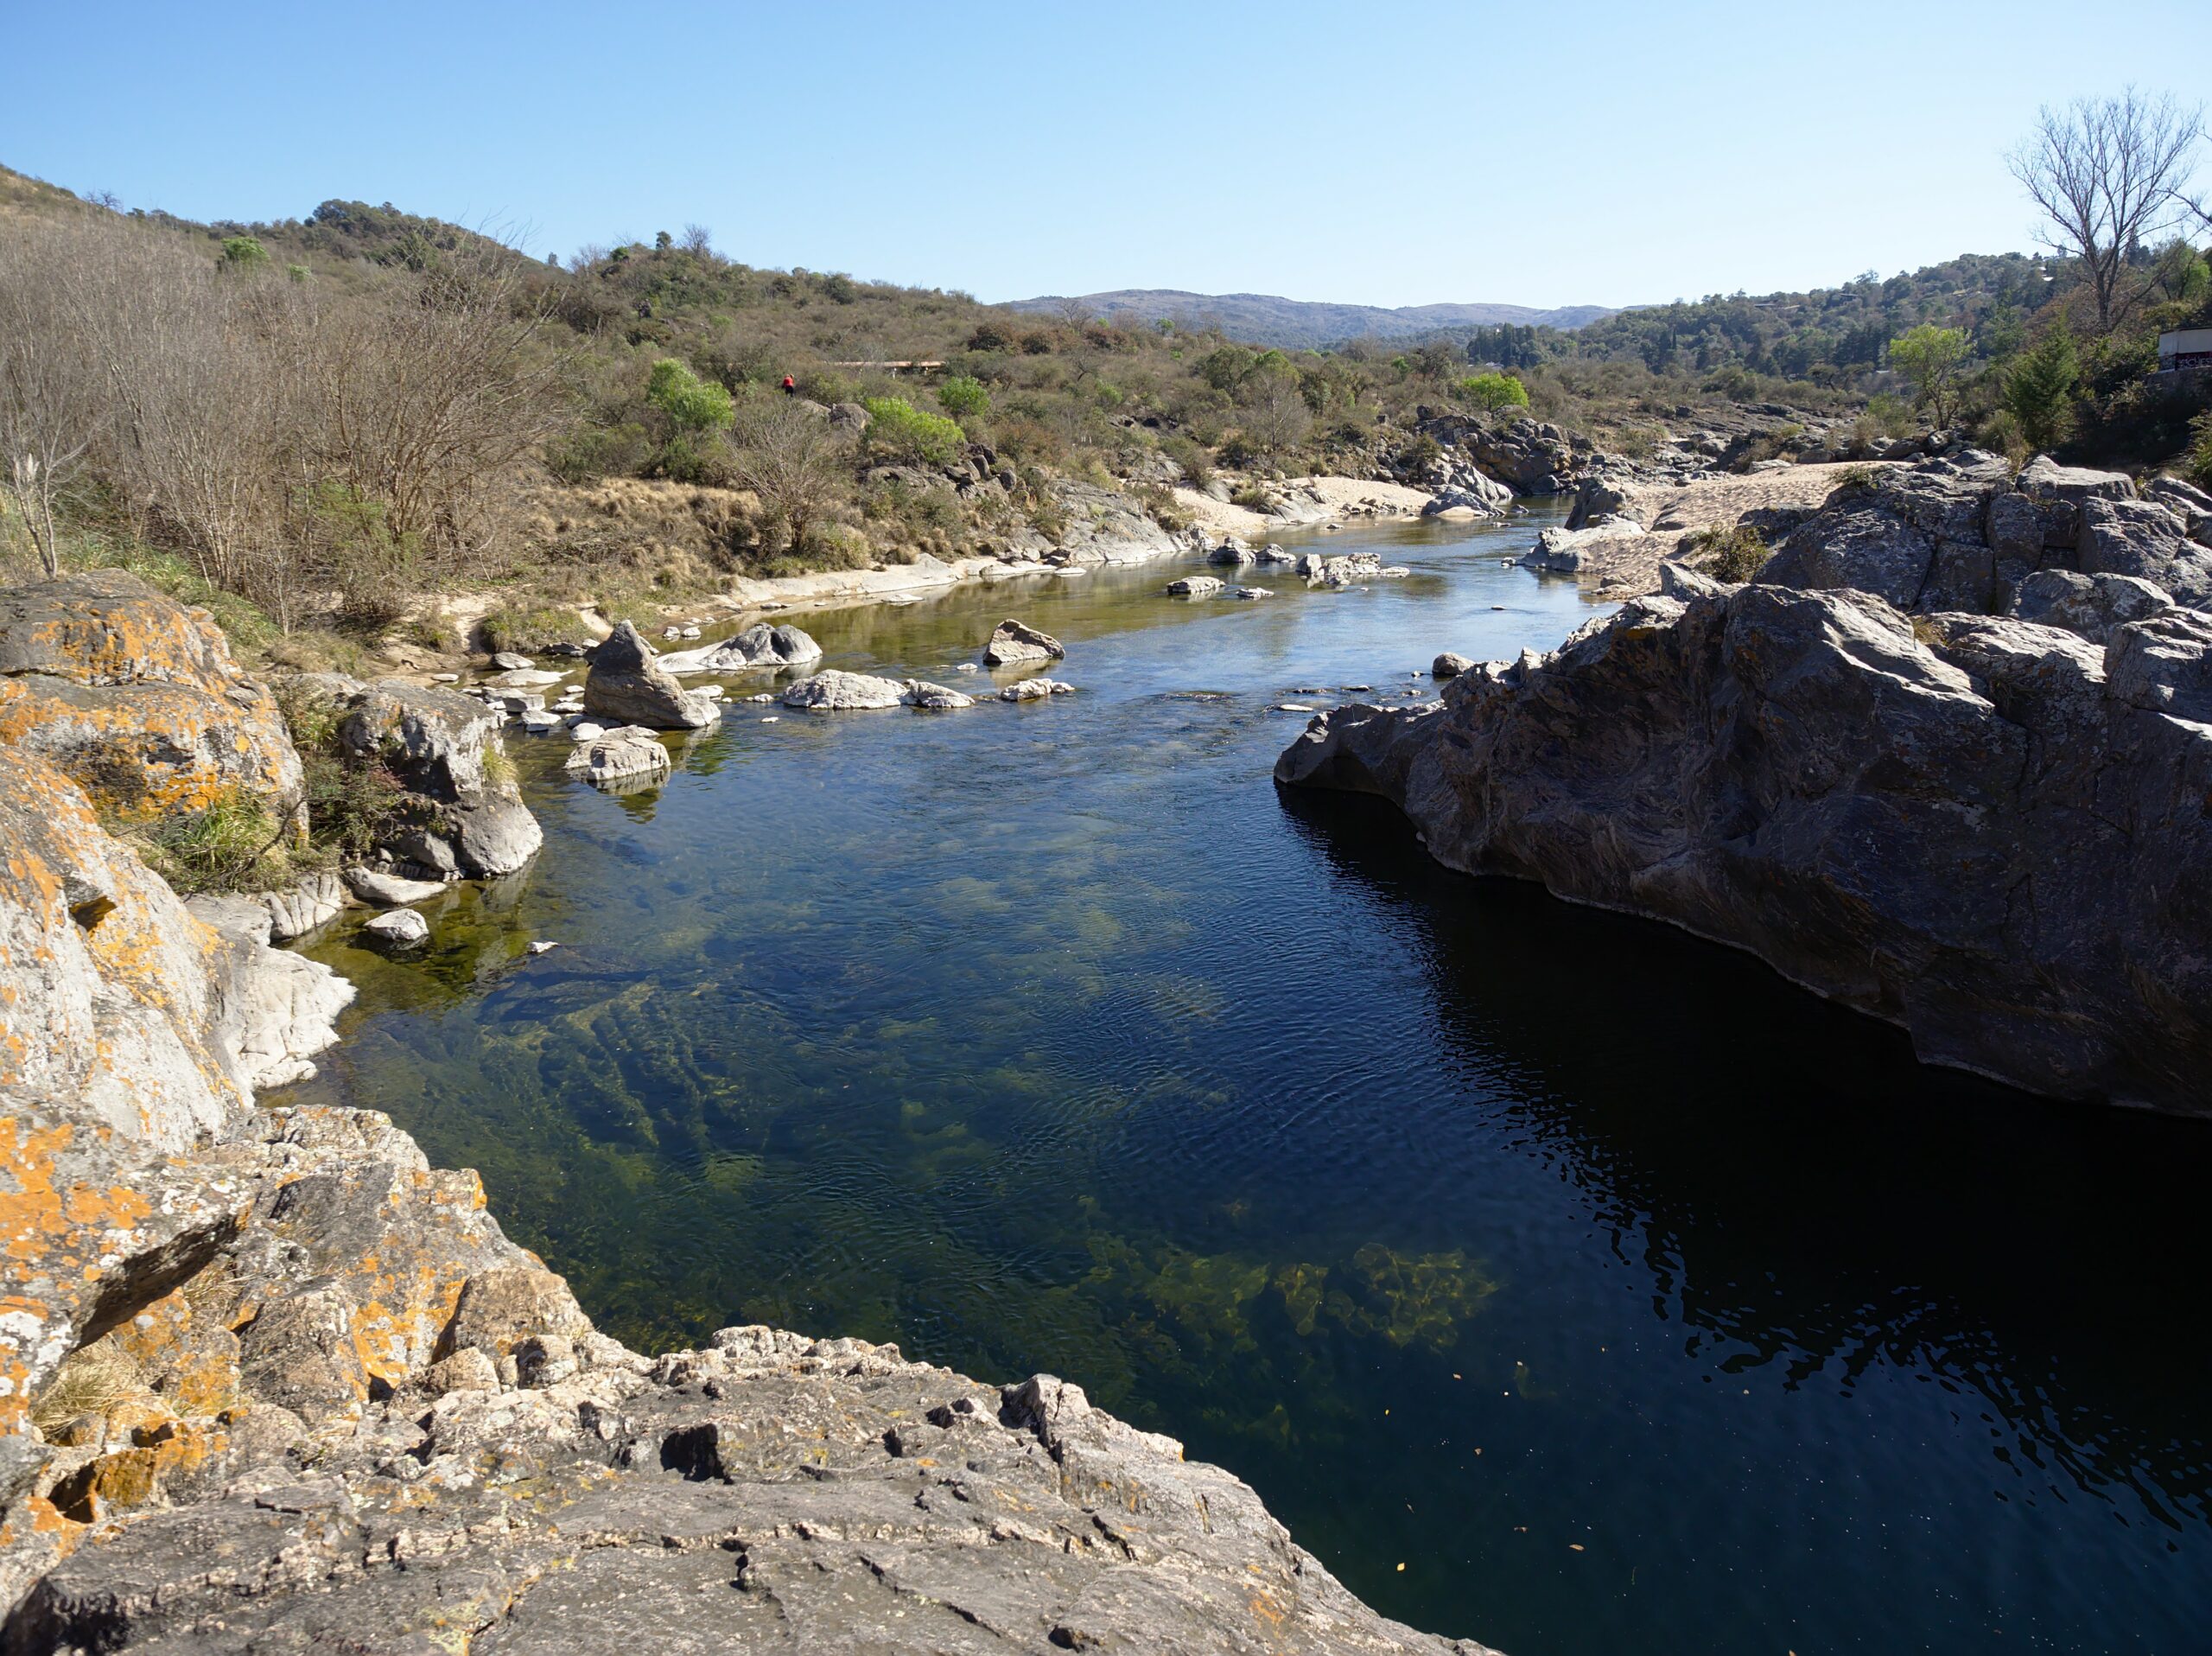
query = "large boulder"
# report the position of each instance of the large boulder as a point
(2091, 605)
(760, 646)
(137, 699)
(1990, 831)
(628, 685)
(444, 748)
(1014, 644)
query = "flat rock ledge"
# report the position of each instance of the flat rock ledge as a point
(540, 1492)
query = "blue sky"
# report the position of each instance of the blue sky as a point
(1378, 153)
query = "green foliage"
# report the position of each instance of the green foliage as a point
(1190, 456)
(2038, 389)
(525, 626)
(1493, 391)
(1929, 357)
(243, 254)
(899, 431)
(225, 846)
(2196, 464)
(1734, 553)
(374, 568)
(692, 405)
(963, 397)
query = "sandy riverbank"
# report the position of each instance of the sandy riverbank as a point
(1627, 565)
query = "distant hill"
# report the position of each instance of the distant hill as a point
(1267, 319)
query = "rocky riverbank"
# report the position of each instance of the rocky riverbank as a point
(1945, 760)
(269, 1381)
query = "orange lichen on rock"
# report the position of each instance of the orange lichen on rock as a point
(136, 699)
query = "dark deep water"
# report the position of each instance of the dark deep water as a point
(1626, 1297)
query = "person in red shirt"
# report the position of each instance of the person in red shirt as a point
(790, 386)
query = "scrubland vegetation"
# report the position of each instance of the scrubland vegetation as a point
(311, 424)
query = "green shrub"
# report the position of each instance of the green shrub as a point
(590, 452)
(1195, 463)
(243, 254)
(897, 430)
(225, 846)
(963, 397)
(2196, 464)
(690, 403)
(1493, 391)
(1732, 553)
(2038, 389)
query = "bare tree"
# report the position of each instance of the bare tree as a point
(2107, 173)
(698, 241)
(794, 460)
(1275, 416)
(48, 418)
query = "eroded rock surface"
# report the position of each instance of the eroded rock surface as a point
(1992, 831)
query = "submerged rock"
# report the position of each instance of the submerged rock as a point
(1990, 831)
(836, 691)
(1014, 643)
(628, 685)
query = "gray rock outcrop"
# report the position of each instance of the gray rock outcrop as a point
(445, 749)
(1989, 830)
(1195, 586)
(1959, 533)
(628, 685)
(272, 1010)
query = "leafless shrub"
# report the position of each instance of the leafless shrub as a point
(794, 460)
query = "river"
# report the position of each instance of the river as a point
(1561, 1281)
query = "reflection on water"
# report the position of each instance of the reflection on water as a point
(1625, 1296)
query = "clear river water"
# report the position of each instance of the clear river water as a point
(1561, 1281)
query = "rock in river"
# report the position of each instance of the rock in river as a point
(1194, 586)
(381, 891)
(403, 927)
(760, 646)
(1451, 665)
(1014, 643)
(835, 691)
(628, 685)
(921, 693)
(1035, 689)
(1991, 832)
(628, 751)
